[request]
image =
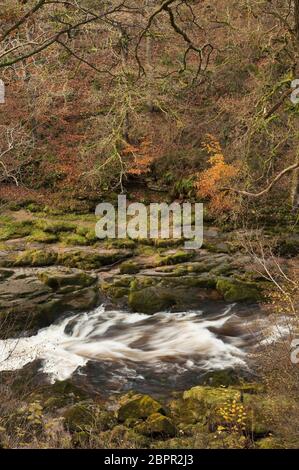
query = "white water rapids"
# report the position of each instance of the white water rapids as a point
(168, 343)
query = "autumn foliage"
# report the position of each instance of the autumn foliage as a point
(211, 182)
(139, 157)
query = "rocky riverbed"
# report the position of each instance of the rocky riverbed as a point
(100, 318)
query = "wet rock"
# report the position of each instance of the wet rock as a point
(31, 300)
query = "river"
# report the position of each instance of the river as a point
(115, 351)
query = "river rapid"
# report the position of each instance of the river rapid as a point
(115, 350)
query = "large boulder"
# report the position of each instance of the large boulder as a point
(138, 406)
(79, 418)
(30, 300)
(238, 291)
(151, 300)
(156, 425)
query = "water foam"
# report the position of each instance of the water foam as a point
(187, 338)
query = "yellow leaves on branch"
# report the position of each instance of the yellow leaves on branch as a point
(211, 181)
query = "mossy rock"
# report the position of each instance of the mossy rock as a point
(66, 281)
(157, 426)
(202, 404)
(60, 394)
(35, 207)
(88, 234)
(129, 267)
(55, 226)
(176, 258)
(237, 291)
(5, 274)
(90, 260)
(105, 420)
(115, 292)
(73, 239)
(42, 237)
(288, 248)
(125, 243)
(269, 443)
(151, 300)
(211, 396)
(138, 407)
(78, 418)
(120, 436)
(222, 378)
(55, 403)
(168, 243)
(12, 230)
(223, 269)
(204, 281)
(174, 443)
(36, 258)
(81, 439)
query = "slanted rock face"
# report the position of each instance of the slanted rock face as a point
(31, 299)
(135, 407)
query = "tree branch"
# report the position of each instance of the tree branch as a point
(269, 187)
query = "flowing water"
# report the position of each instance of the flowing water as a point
(117, 350)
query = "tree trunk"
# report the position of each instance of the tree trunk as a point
(296, 14)
(295, 180)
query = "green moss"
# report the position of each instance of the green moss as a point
(34, 207)
(288, 248)
(121, 243)
(137, 406)
(156, 426)
(89, 260)
(222, 378)
(237, 291)
(66, 281)
(36, 258)
(121, 436)
(203, 281)
(73, 239)
(269, 443)
(13, 230)
(211, 396)
(42, 237)
(55, 226)
(167, 243)
(129, 268)
(78, 418)
(88, 233)
(150, 300)
(115, 292)
(176, 258)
